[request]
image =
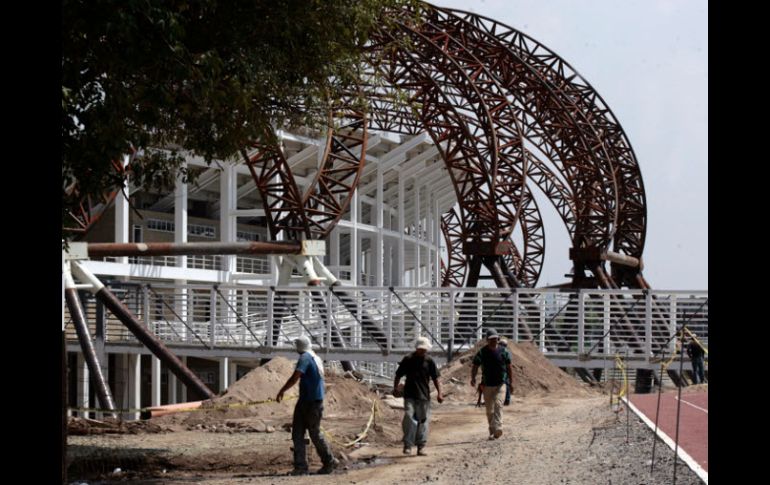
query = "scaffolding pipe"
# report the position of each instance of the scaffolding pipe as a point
(100, 250)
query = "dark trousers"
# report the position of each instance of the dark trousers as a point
(698, 373)
(507, 393)
(307, 416)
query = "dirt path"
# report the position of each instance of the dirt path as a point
(547, 440)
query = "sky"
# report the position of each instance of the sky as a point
(649, 61)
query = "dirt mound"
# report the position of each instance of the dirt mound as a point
(533, 373)
(81, 426)
(347, 401)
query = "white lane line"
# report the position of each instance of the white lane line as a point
(691, 404)
(690, 461)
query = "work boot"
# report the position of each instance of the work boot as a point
(329, 467)
(421, 451)
(498, 433)
(407, 450)
(298, 471)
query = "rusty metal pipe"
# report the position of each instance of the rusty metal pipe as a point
(152, 343)
(86, 344)
(87, 347)
(99, 250)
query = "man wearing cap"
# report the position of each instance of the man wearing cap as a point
(309, 409)
(695, 353)
(495, 363)
(419, 369)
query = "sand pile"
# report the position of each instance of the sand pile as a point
(345, 399)
(533, 373)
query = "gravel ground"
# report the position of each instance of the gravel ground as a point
(547, 441)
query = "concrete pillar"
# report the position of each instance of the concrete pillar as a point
(334, 248)
(401, 224)
(172, 385)
(155, 382)
(232, 373)
(377, 240)
(180, 217)
(183, 388)
(121, 216)
(227, 220)
(134, 384)
(224, 363)
(354, 253)
(417, 280)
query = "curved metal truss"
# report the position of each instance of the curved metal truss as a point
(507, 115)
(509, 118)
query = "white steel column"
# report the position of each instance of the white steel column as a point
(183, 388)
(377, 253)
(232, 373)
(334, 248)
(172, 383)
(180, 216)
(180, 236)
(224, 364)
(401, 224)
(436, 244)
(83, 380)
(354, 253)
(134, 384)
(155, 382)
(227, 220)
(121, 216)
(417, 280)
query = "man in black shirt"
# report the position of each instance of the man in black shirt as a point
(419, 369)
(495, 363)
(695, 353)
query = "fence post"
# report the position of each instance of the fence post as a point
(515, 315)
(270, 316)
(581, 322)
(389, 310)
(213, 314)
(329, 303)
(450, 344)
(648, 323)
(606, 311)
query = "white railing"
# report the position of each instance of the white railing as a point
(582, 324)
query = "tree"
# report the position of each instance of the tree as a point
(203, 76)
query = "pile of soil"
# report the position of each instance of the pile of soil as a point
(533, 374)
(347, 401)
(80, 427)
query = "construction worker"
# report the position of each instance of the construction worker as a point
(695, 353)
(419, 369)
(309, 409)
(508, 377)
(495, 361)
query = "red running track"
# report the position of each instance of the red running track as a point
(693, 420)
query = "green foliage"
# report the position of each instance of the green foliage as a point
(208, 76)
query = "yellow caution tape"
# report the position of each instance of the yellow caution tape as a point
(361, 435)
(620, 365)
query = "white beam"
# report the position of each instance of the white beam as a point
(121, 217)
(155, 382)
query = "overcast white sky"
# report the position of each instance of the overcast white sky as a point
(649, 61)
